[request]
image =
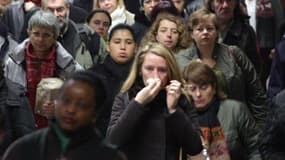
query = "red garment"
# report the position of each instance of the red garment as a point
(37, 2)
(36, 69)
(264, 8)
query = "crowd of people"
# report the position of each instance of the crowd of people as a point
(143, 79)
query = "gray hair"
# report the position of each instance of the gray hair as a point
(44, 19)
(66, 2)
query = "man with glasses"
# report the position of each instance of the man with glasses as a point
(69, 35)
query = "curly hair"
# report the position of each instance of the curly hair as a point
(183, 40)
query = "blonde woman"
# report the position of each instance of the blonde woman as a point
(151, 118)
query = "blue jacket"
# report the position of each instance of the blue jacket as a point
(277, 74)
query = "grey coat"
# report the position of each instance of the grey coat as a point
(18, 106)
(240, 130)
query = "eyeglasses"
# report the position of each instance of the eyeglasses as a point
(190, 88)
(58, 9)
(207, 28)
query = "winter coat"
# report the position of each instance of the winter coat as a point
(44, 144)
(22, 120)
(242, 81)
(242, 35)
(114, 75)
(17, 19)
(272, 138)
(240, 129)
(277, 74)
(150, 132)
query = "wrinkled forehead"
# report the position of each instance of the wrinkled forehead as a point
(56, 3)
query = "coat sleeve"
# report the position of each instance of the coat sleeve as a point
(125, 116)
(277, 74)
(183, 125)
(255, 93)
(248, 130)
(272, 138)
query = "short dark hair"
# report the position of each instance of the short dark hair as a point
(98, 10)
(162, 7)
(94, 80)
(122, 26)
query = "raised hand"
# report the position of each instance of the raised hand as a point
(149, 92)
(48, 109)
(173, 91)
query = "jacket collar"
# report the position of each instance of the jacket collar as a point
(63, 58)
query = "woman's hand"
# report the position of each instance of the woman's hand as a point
(173, 91)
(149, 92)
(48, 109)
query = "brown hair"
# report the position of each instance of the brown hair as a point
(201, 15)
(201, 74)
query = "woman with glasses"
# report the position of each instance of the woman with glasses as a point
(229, 130)
(151, 118)
(236, 74)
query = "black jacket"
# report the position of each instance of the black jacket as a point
(272, 139)
(114, 75)
(44, 145)
(242, 35)
(150, 132)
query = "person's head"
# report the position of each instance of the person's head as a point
(147, 6)
(109, 5)
(153, 61)
(43, 30)
(5, 2)
(100, 21)
(121, 43)
(164, 6)
(225, 10)
(170, 31)
(79, 101)
(203, 27)
(201, 84)
(60, 8)
(179, 4)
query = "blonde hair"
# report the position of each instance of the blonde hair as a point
(159, 50)
(183, 40)
(120, 4)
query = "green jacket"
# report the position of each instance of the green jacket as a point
(240, 129)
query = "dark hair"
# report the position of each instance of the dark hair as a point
(162, 7)
(94, 80)
(238, 12)
(98, 10)
(122, 26)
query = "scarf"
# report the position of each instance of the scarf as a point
(36, 69)
(121, 15)
(212, 131)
